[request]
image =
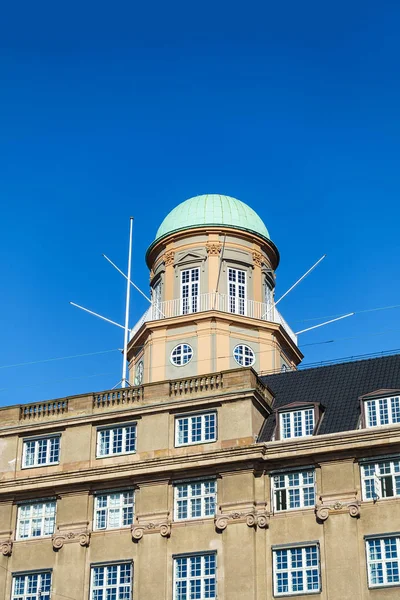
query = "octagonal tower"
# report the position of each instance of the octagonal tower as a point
(212, 277)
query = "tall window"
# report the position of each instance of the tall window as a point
(297, 423)
(32, 586)
(195, 499)
(111, 581)
(237, 291)
(36, 520)
(196, 429)
(116, 440)
(113, 510)
(190, 290)
(195, 577)
(382, 411)
(380, 479)
(296, 570)
(269, 302)
(41, 452)
(383, 558)
(293, 490)
(156, 301)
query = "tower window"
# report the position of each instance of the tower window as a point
(237, 291)
(181, 355)
(244, 355)
(190, 290)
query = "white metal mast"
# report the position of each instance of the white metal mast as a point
(124, 381)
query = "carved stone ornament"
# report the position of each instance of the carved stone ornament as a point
(213, 248)
(151, 274)
(343, 503)
(69, 533)
(258, 258)
(151, 523)
(254, 515)
(6, 543)
(169, 258)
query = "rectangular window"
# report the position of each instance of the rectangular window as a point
(110, 582)
(297, 423)
(41, 452)
(237, 291)
(383, 561)
(195, 577)
(190, 290)
(113, 510)
(382, 411)
(32, 586)
(116, 440)
(293, 490)
(196, 429)
(195, 499)
(156, 302)
(36, 520)
(381, 479)
(296, 570)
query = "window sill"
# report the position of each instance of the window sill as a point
(195, 443)
(115, 455)
(54, 464)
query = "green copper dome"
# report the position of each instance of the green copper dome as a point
(212, 209)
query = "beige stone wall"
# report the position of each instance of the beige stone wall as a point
(242, 469)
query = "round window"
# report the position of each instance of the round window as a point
(139, 373)
(181, 355)
(244, 355)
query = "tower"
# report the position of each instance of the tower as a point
(212, 277)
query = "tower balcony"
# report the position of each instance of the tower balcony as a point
(214, 301)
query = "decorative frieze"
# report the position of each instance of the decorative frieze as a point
(6, 543)
(253, 514)
(338, 504)
(213, 248)
(151, 523)
(70, 533)
(258, 258)
(169, 258)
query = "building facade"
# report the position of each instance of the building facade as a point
(206, 479)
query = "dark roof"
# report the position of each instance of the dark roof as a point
(337, 387)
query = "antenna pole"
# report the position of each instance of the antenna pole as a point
(325, 323)
(301, 279)
(96, 315)
(128, 293)
(131, 282)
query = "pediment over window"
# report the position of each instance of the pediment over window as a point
(381, 393)
(298, 406)
(189, 257)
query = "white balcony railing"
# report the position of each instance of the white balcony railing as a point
(214, 301)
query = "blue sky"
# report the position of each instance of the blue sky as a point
(109, 110)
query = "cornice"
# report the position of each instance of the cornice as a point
(357, 443)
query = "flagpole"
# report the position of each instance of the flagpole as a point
(124, 381)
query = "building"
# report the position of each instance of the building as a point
(204, 478)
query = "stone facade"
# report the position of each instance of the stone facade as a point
(245, 527)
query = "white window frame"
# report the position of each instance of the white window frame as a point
(184, 352)
(237, 291)
(156, 301)
(190, 291)
(191, 499)
(113, 430)
(244, 355)
(386, 475)
(190, 420)
(27, 577)
(385, 562)
(205, 577)
(118, 508)
(298, 490)
(49, 439)
(269, 301)
(118, 587)
(293, 416)
(292, 568)
(374, 415)
(40, 519)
